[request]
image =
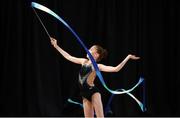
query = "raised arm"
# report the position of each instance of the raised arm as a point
(65, 54)
(118, 67)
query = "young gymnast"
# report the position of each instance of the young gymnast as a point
(89, 92)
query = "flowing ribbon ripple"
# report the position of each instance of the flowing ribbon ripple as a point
(98, 73)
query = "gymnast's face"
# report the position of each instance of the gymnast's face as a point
(93, 52)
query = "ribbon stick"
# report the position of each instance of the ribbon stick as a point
(98, 73)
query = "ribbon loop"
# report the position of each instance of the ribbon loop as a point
(98, 73)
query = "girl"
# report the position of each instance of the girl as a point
(90, 94)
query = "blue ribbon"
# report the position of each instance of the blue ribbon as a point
(74, 102)
(98, 73)
(107, 109)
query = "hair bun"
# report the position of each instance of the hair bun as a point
(101, 51)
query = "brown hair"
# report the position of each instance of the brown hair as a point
(101, 51)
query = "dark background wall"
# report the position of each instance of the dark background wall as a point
(37, 81)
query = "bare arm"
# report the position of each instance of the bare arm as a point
(118, 67)
(65, 54)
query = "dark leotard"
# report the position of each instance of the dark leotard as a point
(86, 91)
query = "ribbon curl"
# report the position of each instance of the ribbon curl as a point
(108, 109)
(98, 73)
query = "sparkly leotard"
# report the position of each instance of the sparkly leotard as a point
(86, 91)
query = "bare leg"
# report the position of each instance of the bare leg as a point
(88, 108)
(97, 104)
